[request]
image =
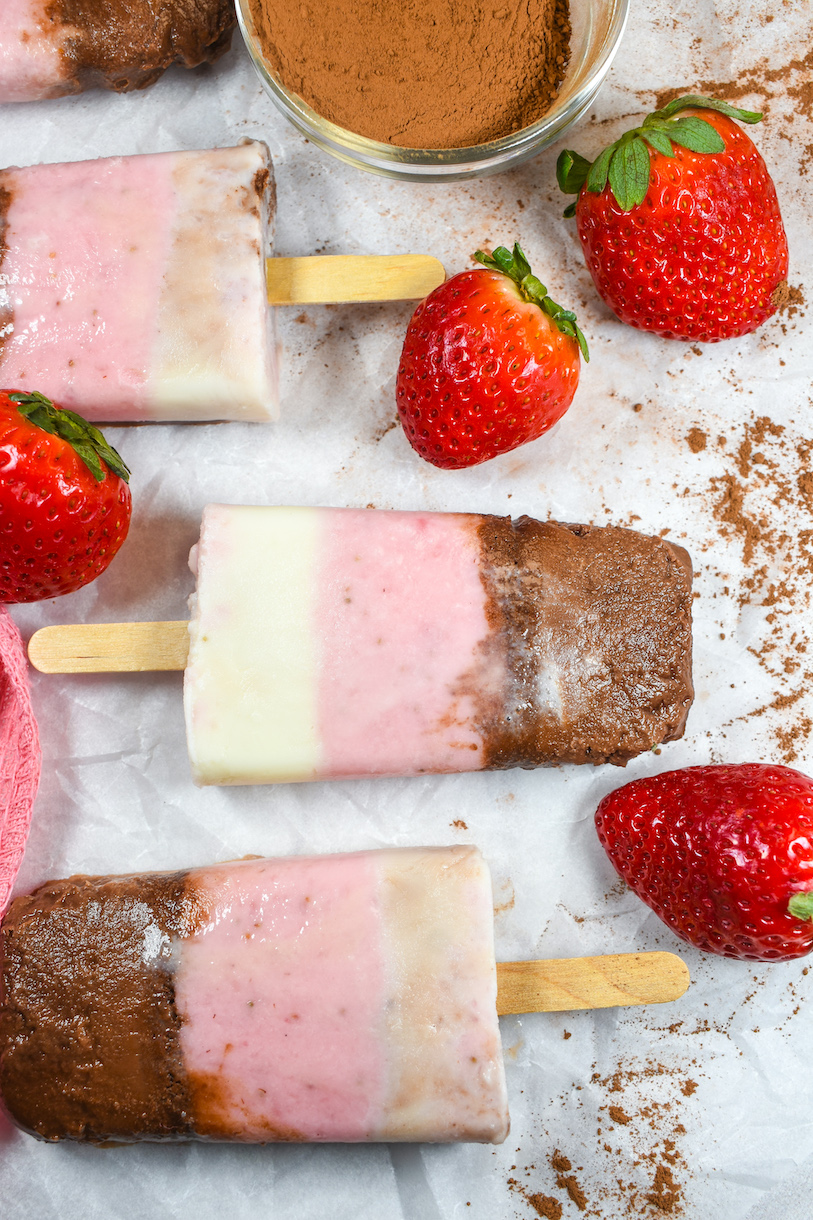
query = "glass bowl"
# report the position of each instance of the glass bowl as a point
(597, 27)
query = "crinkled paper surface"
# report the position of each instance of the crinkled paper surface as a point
(699, 1108)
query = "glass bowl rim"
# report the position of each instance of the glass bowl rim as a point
(373, 154)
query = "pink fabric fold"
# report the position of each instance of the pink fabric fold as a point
(19, 754)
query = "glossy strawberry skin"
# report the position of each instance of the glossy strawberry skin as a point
(482, 371)
(59, 528)
(717, 852)
(702, 257)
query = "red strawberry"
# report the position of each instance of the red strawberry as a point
(723, 854)
(64, 499)
(489, 362)
(680, 224)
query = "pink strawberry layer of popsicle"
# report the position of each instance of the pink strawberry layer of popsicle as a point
(341, 998)
(133, 288)
(53, 47)
(329, 643)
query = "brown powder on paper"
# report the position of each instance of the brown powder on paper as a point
(423, 73)
(665, 1193)
(788, 298)
(792, 79)
(545, 1206)
(642, 1173)
(762, 500)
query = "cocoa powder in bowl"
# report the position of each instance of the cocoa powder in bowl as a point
(421, 73)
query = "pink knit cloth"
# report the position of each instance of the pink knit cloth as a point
(19, 754)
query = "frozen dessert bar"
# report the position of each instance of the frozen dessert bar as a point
(344, 998)
(52, 47)
(329, 643)
(133, 288)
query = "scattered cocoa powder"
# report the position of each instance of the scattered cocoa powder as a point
(575, 1191)
(696, 440)
(566, 1181)
(546, 1206)
(419, 74)
(793, 79)
(641, 1170)
(560, 1163)
(788, 298)
(665, 1193)
(764, 501)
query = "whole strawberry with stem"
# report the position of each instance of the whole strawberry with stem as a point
(680, 224)
(489, 362)
(723, 854)
(64, 500)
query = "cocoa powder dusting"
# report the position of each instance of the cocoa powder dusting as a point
(665, 1193)
(419, 74)
(791, 79)
(762, 501)
(545, 1206)
(638, 1170)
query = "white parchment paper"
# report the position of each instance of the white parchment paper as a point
(699, 1108)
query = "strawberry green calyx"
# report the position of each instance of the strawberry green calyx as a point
(516, 266)
(801, 905)
(86, 440)
(625, 164)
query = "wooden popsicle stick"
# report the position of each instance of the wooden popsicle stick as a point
(96, 648)
(329, 279)
(609, 981)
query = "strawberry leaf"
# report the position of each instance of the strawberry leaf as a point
(516, 266)
(571, 172)
(87, 441)
(801, 905)
(523, 269)
(697, 135)
(708, 103)
(658, 138)
(597, 177)
(625, 164)
(629, 173)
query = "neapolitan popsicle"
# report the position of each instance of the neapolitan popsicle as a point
(49, 48)
(341, 998)
(330, 643)
(142, 295)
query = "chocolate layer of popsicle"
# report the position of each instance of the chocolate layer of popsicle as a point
(595, 622)
(49, 48)
(88, 1026)
(344, 998)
